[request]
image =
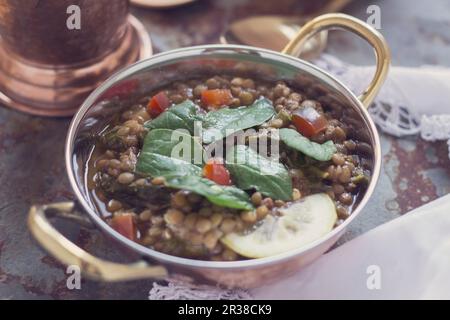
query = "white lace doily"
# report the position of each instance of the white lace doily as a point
(183, 288)
(412, 101)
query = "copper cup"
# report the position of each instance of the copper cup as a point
(49, 63)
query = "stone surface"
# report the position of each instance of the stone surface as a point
(31, 149)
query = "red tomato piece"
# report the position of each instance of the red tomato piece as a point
(309, 121)
(158, 104)
(215, 170)
(124, 224)
(216, 97)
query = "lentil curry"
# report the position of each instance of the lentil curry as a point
(216, 209)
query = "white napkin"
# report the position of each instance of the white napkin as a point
(407, 258)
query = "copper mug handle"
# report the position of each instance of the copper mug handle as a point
(370, 34)
(70, 254)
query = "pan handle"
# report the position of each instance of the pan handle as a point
(343, 21)
(70, 254)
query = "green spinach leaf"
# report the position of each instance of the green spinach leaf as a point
(225, 196)
(180, 116)
(170, 152)
(253, 171)
(225, 121)
(160, 157)
(294, 140)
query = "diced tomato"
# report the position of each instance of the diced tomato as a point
(215, 170)
(158, 104)
(124, 224)
(216, 97)
(309, 121)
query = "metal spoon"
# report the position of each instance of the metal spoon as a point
(274, 32)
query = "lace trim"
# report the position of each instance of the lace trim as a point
(183, 288)
(436, 127)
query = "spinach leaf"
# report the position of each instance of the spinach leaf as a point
(294, 140)
(225, 121)
(253, 171)
(225, 196)
(180, 116)
(164, 154)
(158, 158)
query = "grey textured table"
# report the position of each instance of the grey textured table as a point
(31, 149)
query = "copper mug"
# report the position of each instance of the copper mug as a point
(53, 53)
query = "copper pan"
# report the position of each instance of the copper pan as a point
(174, 65)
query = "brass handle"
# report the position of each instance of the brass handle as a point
(338, 20)
(70, 254)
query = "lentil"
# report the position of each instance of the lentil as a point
(125, 178)
(256, 198)
(114, 205)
